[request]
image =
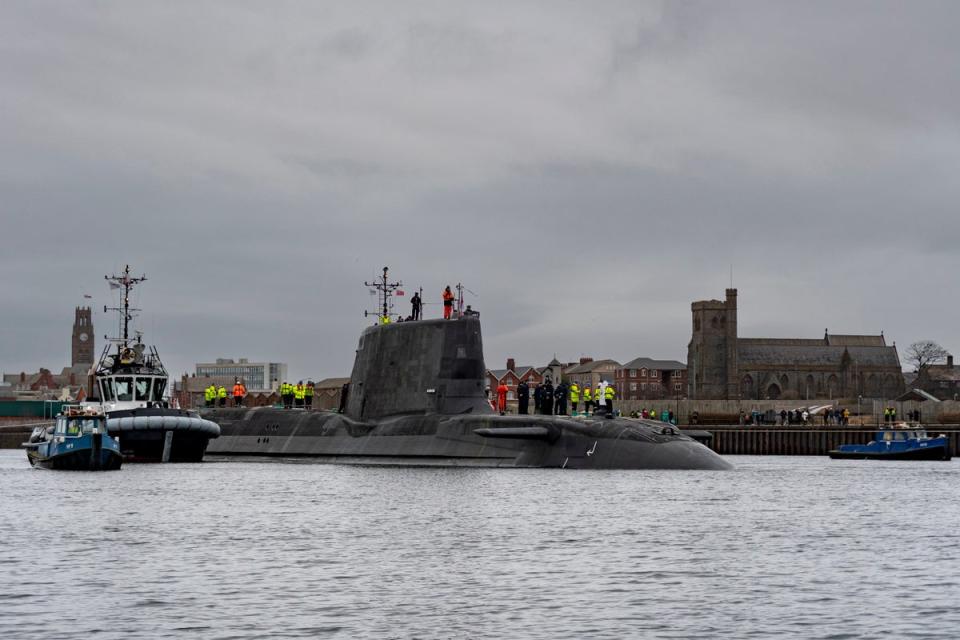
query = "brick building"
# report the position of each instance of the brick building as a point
(649, 379)
(590, 372)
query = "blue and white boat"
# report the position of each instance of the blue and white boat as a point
(897, 444)
(78, 441)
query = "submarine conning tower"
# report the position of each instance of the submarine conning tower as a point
(419, 367)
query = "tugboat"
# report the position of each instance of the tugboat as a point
(130, 383)
(79, 441)
(904, 443)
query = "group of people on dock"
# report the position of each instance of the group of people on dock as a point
(215, 396)
(297, 396)
(553, 400)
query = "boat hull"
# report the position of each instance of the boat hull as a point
(92, 452)
(143, 434)
(926, 453)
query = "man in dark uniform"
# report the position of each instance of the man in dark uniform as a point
(560, 398)
(546, 406)
(415, 303)
(538, 398)
(523, 397)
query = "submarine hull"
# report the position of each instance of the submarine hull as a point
(416, 397)
(469, 441)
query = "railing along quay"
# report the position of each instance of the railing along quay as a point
(801, 441)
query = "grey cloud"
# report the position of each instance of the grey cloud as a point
(587, 169)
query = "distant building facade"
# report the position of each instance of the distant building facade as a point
(511, 377)
(590, 372)
(649, 379)
(940, 380)
(723, 366)
(257, 376)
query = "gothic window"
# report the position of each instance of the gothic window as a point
(746, 387)
(715, 323)
(890, 388)
(696, 324)
(873, 385)
(810, 387)
(784, 381)
(773, 392)
(833, 386)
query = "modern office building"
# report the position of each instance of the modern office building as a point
(257, 376)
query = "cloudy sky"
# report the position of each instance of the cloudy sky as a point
(586, 169)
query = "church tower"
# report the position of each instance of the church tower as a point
(82, 346)
(712, 371)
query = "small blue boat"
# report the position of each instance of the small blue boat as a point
(79, 441)
(897, 444)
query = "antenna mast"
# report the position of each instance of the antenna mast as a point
(127, 283)
(386, 289)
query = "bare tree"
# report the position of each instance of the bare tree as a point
(926, 352)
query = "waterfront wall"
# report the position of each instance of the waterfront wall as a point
(726, 412)
(792, 441)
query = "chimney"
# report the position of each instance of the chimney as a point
(949, 362)
(511, 364)
(585, 360)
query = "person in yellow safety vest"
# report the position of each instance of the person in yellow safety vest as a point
(208, 395)
(299, 394)
(608, 395)
(384, 319)
(308, 394)
(574, 392)
(284, 394)
(222, 395)
(587, 400)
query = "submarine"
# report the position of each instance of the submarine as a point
(416, 397)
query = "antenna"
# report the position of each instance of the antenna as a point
(460, 290)
(386, 289)
(731, 275)
(126, 282)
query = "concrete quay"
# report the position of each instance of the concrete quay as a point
(802, 441)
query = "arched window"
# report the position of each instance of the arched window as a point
(810, 387)
(746, 387)
(784, 382)
(833, 386)
(873, 385)
(890, 386)
(773, 392)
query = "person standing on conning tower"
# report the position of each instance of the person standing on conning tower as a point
(447, 303)
(416, 305)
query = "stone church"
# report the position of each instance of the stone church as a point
(723, 366)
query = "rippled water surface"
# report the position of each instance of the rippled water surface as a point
(801, 547)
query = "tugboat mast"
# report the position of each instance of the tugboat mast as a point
(386, 289)
(127, 283)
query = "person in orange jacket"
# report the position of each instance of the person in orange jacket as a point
(239, 391)
(447, 303)
(502, 398)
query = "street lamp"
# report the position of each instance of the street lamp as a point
(859, 398)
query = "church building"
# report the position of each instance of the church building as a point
(723, 366)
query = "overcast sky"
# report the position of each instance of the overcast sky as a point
(586, 169)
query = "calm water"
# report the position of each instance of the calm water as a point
(801, 547)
